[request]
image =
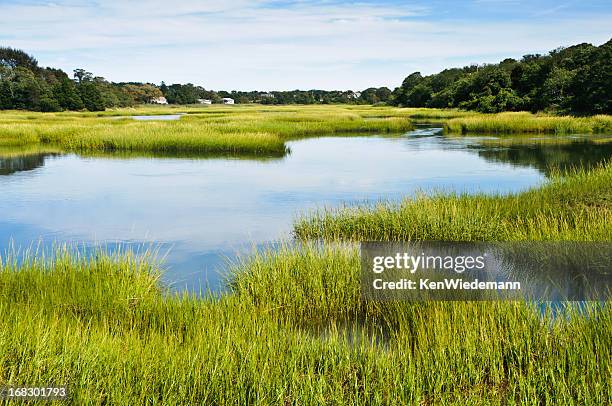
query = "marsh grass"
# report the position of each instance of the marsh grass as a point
(573, 207)
(245, 129)
(519, 140)
(524, 122)
(257, 129)
(293, 329)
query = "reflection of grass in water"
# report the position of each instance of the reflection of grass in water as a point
(263, 157)
(530, 139)
(548, 154)
(574, 207)
(104, 326)
(28, 149)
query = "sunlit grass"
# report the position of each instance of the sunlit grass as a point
(523, 122)
(292, 330)
(245, 129)
(292, 327)
(543, 140)
(256, 128)
(575, 207)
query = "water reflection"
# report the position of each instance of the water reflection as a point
(550, 158)
(11, 165)
(207, 208)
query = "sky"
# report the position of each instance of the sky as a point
(284, 45)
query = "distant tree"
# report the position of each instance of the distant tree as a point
(369, 96)
(81, 75)
(13, 58)
(6, 95)
(142, 92)
(67, 95)
(91, 96)
(52, 76)
(556, 87)
(383, 94)
(27, 89)
(183, 94)
(413, 92)
(48, 103)
(592, 84)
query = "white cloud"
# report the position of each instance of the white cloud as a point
(246, 45)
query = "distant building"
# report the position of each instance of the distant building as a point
(227, 100)
(266, 95)
(158, 100)
(204, 101)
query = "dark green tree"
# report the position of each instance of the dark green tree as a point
(13, 58)
(592, 85)
(91, 96)
(383, 94)
(81, 75)
(66, 94)
(6, 95)
(27, 89)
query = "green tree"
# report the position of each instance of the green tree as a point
(6, 95)
(383, 94)
(48, 103)
(91, 96)
(66, 94)
(592, 85)
(27, 89)
(81, 75)
(556, 89)
(369, 96)
(13, 58)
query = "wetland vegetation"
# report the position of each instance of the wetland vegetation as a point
(292, 327)
(255, 129)
(243, 130)
(575, 207)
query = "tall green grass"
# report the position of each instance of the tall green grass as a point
(573, 207)
(523, 122)
(256, 129)
(248, 129)
(293, 329)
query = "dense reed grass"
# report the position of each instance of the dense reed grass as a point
(256, 129)
(573, 207)
(523, 122)
(527, 140)
(292, 330)
(247, 129)
(292, 327)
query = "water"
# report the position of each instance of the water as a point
(162, 117)
(205, 210)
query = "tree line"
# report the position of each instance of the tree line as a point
(27, 86)
(574, 80)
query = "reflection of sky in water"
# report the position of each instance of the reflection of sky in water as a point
(207, 209)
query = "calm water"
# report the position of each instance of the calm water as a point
(206, 210)
(162, 117)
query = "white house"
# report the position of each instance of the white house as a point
(204, 101)
(158, 100)
(227, 100)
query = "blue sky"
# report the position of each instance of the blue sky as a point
(270, 45)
